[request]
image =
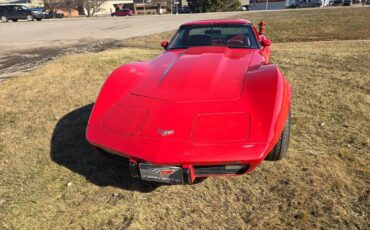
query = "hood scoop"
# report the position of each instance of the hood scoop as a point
(197, 74)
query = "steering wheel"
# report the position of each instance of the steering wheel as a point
(235, 42)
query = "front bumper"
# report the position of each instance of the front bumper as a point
(196, 160)
(188, 172)
(165, 151)
(38, 16)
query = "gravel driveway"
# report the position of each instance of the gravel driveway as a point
(24, 45)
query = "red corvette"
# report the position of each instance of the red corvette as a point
(211, 104)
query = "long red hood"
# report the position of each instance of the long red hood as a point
(183, 75)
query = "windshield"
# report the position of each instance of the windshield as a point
(233, 36)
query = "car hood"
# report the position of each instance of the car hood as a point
(196, 74)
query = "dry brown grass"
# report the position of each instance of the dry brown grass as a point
(323, 183)
(345, 23)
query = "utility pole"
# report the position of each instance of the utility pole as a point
(177, 7)
(171, 7)
(267, 4)
(144, 7)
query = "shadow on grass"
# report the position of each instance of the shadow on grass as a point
(70, 149)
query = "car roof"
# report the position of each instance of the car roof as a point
(218, 22)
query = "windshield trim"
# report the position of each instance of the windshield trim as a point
(256, 44)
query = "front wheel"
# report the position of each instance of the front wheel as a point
(279, 151)
(30, 18)
(4, 18)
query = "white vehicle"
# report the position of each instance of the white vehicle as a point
(245, 5)
(306, 3)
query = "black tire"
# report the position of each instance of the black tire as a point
(15, 20)
(30, 18)
(279, 150)
(4, 18)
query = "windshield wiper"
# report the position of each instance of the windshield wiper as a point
(244, 47)
(180, 47)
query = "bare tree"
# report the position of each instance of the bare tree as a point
(66, 5)
(52, 5)
(88, 7)
(92, 6)
(213, 5)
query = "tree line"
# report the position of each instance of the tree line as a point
(90, 7)
(203, 6)
(84, 7)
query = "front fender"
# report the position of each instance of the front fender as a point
(268, 99)
(117, 85)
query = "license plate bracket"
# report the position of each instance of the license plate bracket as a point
(163, 174)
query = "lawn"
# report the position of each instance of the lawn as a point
(51, 178)
(324, 24)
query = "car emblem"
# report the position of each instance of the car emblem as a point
(164, 133)
(163, 171)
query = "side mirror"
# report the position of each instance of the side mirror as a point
(164, 44)
(265, 42)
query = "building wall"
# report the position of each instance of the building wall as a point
(69, 13)
(137, 6)
(262, 1)
(108, 8)
(183, 2)
(244, 2)
(29, 3)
